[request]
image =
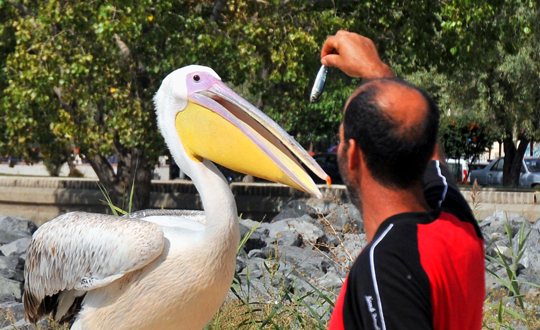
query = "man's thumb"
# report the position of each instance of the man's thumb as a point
(330, 60)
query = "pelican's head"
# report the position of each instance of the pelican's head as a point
(201, 118)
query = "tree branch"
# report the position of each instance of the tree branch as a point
(122, 45)
(63, 103)
(21, 8)
(216, 11)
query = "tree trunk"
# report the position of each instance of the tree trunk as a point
(513, 159)
(133, 170)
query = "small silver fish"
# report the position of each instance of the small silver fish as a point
(318, 86)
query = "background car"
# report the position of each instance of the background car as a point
(492, 174)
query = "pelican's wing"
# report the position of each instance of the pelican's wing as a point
(173, 218)
(78, 252)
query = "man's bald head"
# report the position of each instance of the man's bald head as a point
(395, 125)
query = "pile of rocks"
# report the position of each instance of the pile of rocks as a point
(498, 229)
(15, 235)
(312, 244)
(309, 244)
(307, 248)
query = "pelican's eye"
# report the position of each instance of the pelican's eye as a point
(196, 78)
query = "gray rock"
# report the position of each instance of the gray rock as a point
(257, 254)
(308, 230)
(307, 262)
(340, 215)
(528, 282)
(274, 230)
(257, 239)
(270, 252)
(17, 225)
(255, 267)
(331, 281)
(18, 247)
(293, 209)
(287, 231)
(243, 229)
(16, 275)
(23, 325)
(347, 218)
(327, 242)
(284, 282)
(11, 287)
(257, 290)
(8, 237)
(249, 223)
(495, 222)
(6, 297)
(352, 245)
(492, 284)
(531, 257)
(11, 312)
(240, 265)
(288, 238)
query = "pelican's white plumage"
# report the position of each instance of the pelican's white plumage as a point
(101, 253)
(165, 269)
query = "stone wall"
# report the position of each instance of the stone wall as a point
(42, 199)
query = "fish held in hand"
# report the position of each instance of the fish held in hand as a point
(318, 86)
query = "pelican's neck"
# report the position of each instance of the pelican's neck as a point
(218, 201)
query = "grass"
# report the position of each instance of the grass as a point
(509, 307)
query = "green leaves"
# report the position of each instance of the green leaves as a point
(465, 136)
(107, 60)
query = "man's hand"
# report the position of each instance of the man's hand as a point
(355, 55)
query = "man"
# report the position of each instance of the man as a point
(424, 265)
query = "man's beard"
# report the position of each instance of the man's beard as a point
(352, 192)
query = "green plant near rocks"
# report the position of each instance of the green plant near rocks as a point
(281, 308)
(512, 309)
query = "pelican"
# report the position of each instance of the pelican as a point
(165, 269)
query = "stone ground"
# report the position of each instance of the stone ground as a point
(309, 244)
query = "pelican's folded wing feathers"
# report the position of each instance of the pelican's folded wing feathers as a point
(82, 251)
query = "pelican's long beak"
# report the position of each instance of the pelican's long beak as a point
(221, 126)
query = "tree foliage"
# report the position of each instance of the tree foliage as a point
(465, 137)
(83, 74)
(494, 70)
(76, 73)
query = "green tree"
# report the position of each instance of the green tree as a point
(84, 74)
(465, 137)
(495, 61)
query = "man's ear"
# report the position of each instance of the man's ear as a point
(353, 155)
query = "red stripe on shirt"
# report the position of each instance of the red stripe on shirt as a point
(452, 255)
(336, 321)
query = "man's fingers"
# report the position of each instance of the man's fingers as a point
(330, 46)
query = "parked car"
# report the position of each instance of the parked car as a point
(329, 163)
(478, 166)
(493, 173)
